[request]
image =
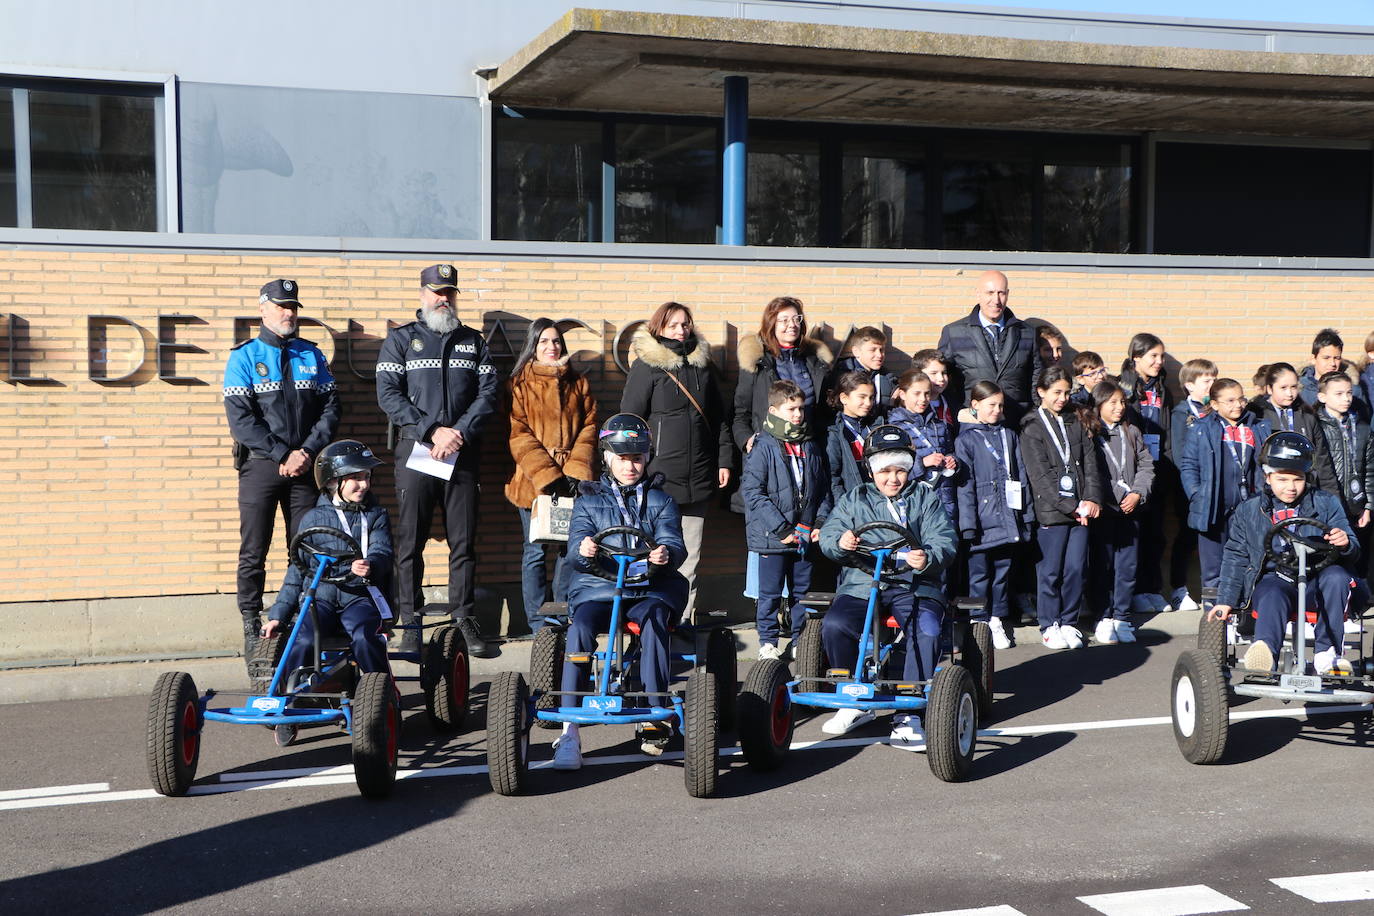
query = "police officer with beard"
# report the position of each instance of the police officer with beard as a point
(283, 407)
(436, 383)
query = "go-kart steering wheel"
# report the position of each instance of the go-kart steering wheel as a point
(1322, 553)
(904, 537)
(323, 541)
(604, 552)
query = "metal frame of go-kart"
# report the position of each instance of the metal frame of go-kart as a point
(1204, 678)
(699, 709)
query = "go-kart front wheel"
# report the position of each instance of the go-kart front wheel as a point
(980, 657)
(376, 734)
(701, 738)
(764, 712)
(546, 668)
(1211, 638)
(446, 679)
(723, 663)
(508, 733)
(810, 658)
(1199, 705)
(952, 723)
(174, 724)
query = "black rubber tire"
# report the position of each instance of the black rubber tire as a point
(508, 736)
(701, 738)
(1199, 707)
(174, 727)
(765, 719)
(723, 662)
(546, 669)
(810, 658)
(952, 723)
(376, 734)
(263, 661)
(980, 658)
(448, 679)
(1211, 638)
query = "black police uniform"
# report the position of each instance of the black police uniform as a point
(279, 396)
(427, 380)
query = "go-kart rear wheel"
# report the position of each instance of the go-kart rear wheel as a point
(1211, 638)
(701, 738)
(810, 658)
(508, 736)
(1198, 701)
(546, 668)
(723, 662)
(765, 715)
(952, 723)
(174, 724)
(447, 678)
(980, 658)
(376, 734)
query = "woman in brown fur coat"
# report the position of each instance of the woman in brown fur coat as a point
(673, 386)
(553, 442)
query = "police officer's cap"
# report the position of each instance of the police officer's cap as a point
(438, 277)
(341, 458)
(1286, 451)
(282, 292)
(888, 438)
(626, 434)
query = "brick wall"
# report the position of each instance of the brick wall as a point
(121, 489)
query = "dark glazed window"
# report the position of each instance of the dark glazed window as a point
(784, 198)
(1087, 193)
(548, 180)
(883, 203)
(9, 215)
(666, 182)
(988, 189)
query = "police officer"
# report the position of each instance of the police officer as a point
(283, 408)
(436, 383)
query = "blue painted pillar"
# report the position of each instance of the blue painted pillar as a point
(736, 170)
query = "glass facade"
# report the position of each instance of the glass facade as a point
(883, 195)
(666, 182)
(9, 214)
(548, 180)
(783, 206)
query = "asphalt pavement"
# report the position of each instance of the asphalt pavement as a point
(1078, 791)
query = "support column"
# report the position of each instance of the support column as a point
(736, 165)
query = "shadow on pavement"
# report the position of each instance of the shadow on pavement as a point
(1046, 679)
(996, 756)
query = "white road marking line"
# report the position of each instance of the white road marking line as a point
(59, 800)
(1164, 901)
(1350, 885)
(81, 789)
(1002, 910)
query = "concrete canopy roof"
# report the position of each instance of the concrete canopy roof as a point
(653, 63)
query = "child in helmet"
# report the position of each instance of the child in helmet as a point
(343, 472)
(913, 593)
(623, 497)
(1286, 458)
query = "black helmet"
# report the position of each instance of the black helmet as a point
(888, 438)
(339, 459)
(1286, 451)
(626, 434)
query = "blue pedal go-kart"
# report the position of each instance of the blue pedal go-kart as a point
(702, 698)
(330, 692)
(765, 707)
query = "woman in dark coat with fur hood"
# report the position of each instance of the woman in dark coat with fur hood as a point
(781, 349)
(673, 386)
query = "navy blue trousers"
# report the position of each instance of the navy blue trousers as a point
(1327, 594)
(592, 617)
(988, 573)
(1209, 545)
(921, 620)
(1062, 571)
(1114, 547)
(360, 619)
(775, 569)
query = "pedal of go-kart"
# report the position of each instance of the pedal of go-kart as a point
(968, 604)
(818, 602)
(837, 672)
(579, 658)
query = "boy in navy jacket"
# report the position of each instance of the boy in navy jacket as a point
(785, 482)
(1286, 458)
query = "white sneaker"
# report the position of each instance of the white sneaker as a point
(1073, 637)
(1052, 638)
(1182, 601)
(846, 720)
(567, 752)
(1141, 604)
(1352, 626)
(1328, 662)
(1124, 631)
(1000, 639)
(769, 650)
(906, 733)
(1105, 632)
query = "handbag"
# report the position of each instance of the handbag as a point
(550, 519)
(677, 381)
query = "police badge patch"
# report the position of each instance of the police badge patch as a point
(445, 271)
(288, 285)
(262, 369)
(417, 344)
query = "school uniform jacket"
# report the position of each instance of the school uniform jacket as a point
(924, 516)
(1149, 409)
(985, 519)
(1181, 420)
(1305, 422)
(931, 436)
(772, 504)
(1242, 557)
(1361, 382)
(655, 514)
(846, 471)
(1359, 465)
(1138, 471)
(1200, 466)
(379, 553)
(1045, 468)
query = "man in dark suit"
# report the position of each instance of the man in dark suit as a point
(992, 343)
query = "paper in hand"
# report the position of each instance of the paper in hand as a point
(421, 460)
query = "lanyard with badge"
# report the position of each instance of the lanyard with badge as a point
(1118, 464)
(1011, 486)
(897, 509)
(1235, 438)
(1286, 418)
(1352, 467)
(373, 591)
(794, 455)
(627, 518)
(1067, 487)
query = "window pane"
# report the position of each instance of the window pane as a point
(94, 165)
(1088, 197)
(548, 180)
(987, 195)
(884, 195)
(784, 197)
(8, 213)
(665, 183)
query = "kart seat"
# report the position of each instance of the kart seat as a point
(633, 627)
(1292, 617)
(891, 623)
